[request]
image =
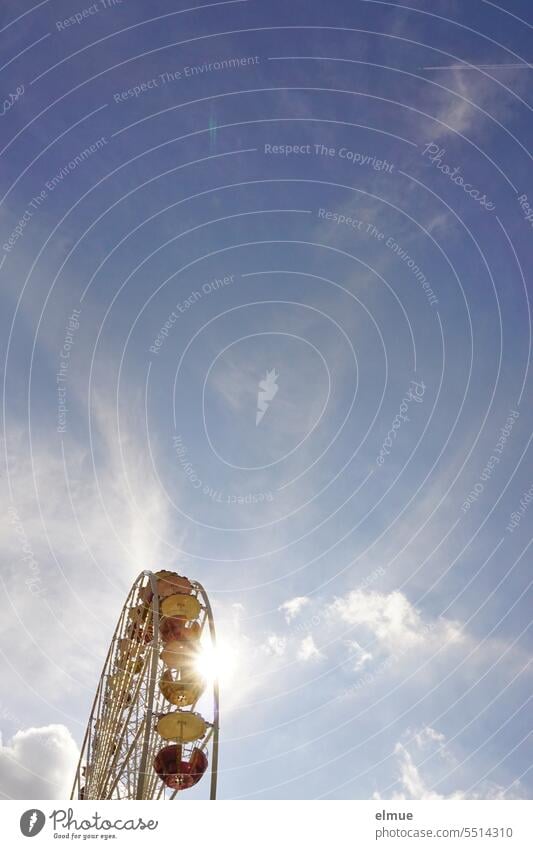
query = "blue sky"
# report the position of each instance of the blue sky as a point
(331, 199)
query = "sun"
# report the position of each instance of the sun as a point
(216, 662)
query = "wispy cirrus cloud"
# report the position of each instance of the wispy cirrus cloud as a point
(413, 784)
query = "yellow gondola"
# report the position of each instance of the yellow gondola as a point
(182, 726)
(181, 605)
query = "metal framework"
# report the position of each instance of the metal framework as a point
(121, 741)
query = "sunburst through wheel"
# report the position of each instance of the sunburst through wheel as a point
(153, 729)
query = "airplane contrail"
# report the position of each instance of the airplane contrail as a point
(510, 66)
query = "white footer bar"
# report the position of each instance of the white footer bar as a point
(271, 824)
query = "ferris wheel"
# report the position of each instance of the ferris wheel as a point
(146, 737)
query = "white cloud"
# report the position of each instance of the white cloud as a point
(275, 645)
(392, 620)
(427, 734)
(39, 763)
(359, 655)
(413, 785)
(454, 109)
(308, 649)
(293, 606)
(471, 89)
